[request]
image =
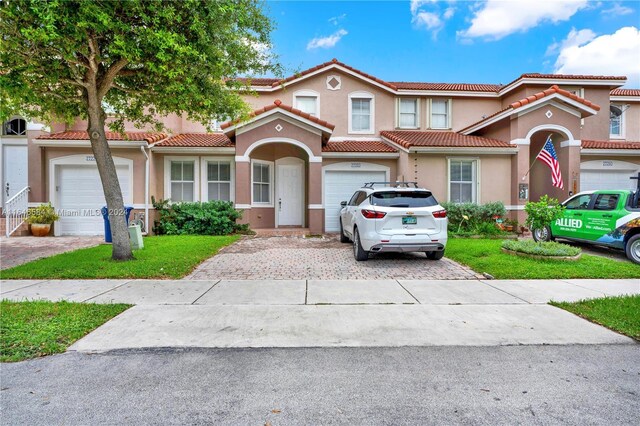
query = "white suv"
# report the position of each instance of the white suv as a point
(396, 217)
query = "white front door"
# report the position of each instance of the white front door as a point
(290, 192)
(15, 179)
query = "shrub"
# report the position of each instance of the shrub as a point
(208, 218)
(541, 249)
(543, 212)
(469, 218)
(43, 214)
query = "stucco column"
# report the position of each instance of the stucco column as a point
(570, 167)
(314, 189)
(243, 190)
(520, 191)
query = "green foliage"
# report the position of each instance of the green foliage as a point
(39, 328)
(542, 249)
(162, 257)
(619, 313)
(143, 58)
(483, 255)
(543, 213)
(478, 219)
(43, 214)
(209, 218)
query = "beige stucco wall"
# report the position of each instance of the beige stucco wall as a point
(494, 175)
(466, 111)
(267, 129)
(631, 121)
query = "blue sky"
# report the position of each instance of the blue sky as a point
(490, 41)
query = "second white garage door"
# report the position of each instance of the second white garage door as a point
(607, 174)
(80, 197)
(340, 186)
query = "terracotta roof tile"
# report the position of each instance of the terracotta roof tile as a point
(204, 140)
(112, 136)
(408, 139)
(533, 75)
(453, 87)
(326, 64)
(587, 144)
(625, 92)
(267, 82)
(358, 146)
(522, 102)
(278, 104)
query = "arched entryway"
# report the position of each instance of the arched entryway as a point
(540, 178)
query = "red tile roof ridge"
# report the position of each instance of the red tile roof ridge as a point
(80, 135)
(625, 92)
(607, 144)
(550, 91)
(278, 104)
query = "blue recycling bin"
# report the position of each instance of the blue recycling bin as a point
(107, 224)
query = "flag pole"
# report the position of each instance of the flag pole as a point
(536, 157)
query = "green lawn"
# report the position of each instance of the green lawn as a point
(162, 257)
(485, 256)
(621, 314)
(33, 329)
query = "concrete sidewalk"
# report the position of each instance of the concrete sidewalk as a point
(325, 313)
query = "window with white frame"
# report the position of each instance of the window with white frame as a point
(307, 101)
(361, 112)
(616, 121)
(261, 180)
(219, 180)
(440, 114)
(182, 180)
(462, 181)
(408, 113)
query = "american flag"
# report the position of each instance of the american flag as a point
(548, 156)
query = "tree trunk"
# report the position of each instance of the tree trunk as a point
(110, 184)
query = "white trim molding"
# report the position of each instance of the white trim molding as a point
(243, 206)
(60, 143)
(565, 144)
(380, 155)
(246, 157)
(462, 151)
(193, 150)
(520, 141)
(617, 152)
(315, 206)
(567, 133)
(519, 207)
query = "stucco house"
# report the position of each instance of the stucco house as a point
(317, 136)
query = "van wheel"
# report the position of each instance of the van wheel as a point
(542, 235)
(343, 238)
(435, 255)
(632, 249)
(358, 252)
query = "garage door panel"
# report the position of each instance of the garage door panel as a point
(81, 196)
(339, 186)
(591, 180)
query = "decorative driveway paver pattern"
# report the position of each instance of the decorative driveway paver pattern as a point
(295, 258)
(15, 251)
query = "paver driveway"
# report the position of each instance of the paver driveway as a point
(319, 258)
(15, 251)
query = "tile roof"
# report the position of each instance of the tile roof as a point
(587, 144)
(148, 137)
(358, 146)
(453, 87)
(278, 104)
(564, 77)
(204, 140)
(410, 138)
(529, 99)
(625, 92)
(258, 81)
(550, 91)
(334, 61)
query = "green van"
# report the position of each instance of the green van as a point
(607, 218)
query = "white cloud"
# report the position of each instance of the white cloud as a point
(326, 42)
(449, 12)
(430, 21)
(609, 54)
(427, 14)
(617, 10)
(415, 5)
(336, 19)
(499, 18)
(575, 38)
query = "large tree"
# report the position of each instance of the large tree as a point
(64, 59)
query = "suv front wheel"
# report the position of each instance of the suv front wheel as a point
(358, 252)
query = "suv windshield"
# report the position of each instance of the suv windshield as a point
(403, 199)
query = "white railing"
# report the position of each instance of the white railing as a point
(15, 210)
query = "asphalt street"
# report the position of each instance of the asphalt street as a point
(579, 384)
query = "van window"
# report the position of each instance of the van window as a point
(403, 199)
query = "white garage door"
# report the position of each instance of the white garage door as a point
(340, 186)
(80, 197)
(591, 180)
